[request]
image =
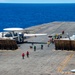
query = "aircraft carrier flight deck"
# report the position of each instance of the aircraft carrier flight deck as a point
(46, 61)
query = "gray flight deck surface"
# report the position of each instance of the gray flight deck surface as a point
(40, 62)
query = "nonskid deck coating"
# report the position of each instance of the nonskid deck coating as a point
(41, 62)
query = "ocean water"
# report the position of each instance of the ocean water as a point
(27, 15)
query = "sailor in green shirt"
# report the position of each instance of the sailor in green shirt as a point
(34, 48)
(41, 46)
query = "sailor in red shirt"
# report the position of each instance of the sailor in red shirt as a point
(27, 54)
(23, 55)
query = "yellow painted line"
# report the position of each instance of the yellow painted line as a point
(65, 62)
(67, 73)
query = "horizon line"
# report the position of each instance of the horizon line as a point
(32, 3)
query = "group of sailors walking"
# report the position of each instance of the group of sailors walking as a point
(34, 47)
(27, 54)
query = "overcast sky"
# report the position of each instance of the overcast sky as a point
(37, 1)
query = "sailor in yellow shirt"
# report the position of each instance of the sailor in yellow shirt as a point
(48, 43)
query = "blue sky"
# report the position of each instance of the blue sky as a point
(37, 1)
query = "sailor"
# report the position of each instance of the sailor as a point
(41, 46)
(34, 48)
(27, 53)
(48, 43)
(23, 55)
